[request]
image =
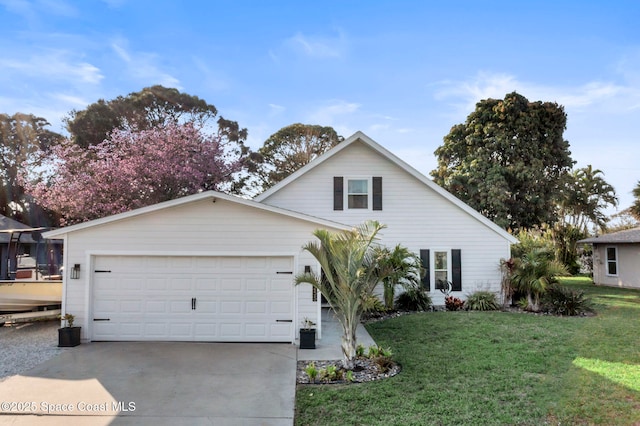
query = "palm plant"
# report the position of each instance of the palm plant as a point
(534, 272)
(404, 268)
(352, 269)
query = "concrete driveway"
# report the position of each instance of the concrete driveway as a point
(156, 383)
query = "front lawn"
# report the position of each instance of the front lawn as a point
(498, 368)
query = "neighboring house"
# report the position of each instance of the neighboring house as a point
(214, 267)
(616, 258)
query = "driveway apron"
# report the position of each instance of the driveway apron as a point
(157, 383)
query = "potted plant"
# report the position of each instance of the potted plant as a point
(68, 336)
(308, 334)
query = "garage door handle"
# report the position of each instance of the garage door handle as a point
(102, 319)
(193, 303)
(284, 320)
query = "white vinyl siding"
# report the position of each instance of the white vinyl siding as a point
(202, 228)
(415, 215)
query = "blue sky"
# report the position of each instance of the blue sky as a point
(403, 72)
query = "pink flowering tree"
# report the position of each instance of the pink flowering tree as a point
(132, 169)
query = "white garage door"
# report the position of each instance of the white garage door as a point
(211, 299)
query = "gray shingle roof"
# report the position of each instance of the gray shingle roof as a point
(628, 236)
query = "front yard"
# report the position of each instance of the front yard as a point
(498, 368)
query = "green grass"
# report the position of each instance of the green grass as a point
(498, 368)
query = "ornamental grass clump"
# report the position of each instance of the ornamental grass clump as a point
(482, 301)
(312, 372)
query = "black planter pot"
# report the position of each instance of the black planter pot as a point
(307, 338)
(68, 337)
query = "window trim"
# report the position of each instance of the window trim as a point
(614, 261)
(434, 270)
(369, 193)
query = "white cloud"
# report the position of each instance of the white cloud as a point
(334, 110)
(52, 65)
(276, 109)
(142, 66)
(465, 94)
(57, 7)
(317, 46)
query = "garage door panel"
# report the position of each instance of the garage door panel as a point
(281, 308)
(205, 307)
(281, 285)
(280, 330)
(231, 331)
(155, 329)
(131, 306)
(206, 285)
(150, 298)
(231, 307)
(180, 306)
(257, 284)
(155, 306)
(256, 308)
(255, 330)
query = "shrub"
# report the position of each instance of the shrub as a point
(559, 300)
(311, 371)
(453, 303)
(372, 304)
(382, 357)
(482, 301)
(330, 374)
(414, 299)
(349, 376)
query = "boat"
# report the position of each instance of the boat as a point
(28, 283)
(22, 296)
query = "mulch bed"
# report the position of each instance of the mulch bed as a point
(365, 370)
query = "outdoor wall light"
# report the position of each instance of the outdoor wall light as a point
(75, 271)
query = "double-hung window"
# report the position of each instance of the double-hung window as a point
(442, 266)
(358, 193)
(612, 261)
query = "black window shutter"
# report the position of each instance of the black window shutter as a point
(424, 257)
(456, 270)
(377, 193)
(338, 192)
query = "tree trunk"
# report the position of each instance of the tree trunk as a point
(349, 343)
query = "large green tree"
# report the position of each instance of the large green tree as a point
(507, 160)
(352, 269)
(149, 108)
(23, 139)
(289, 149)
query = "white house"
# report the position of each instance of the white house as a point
(616, 258)
(214, 267)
